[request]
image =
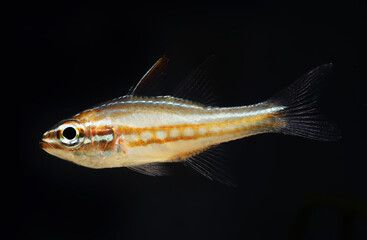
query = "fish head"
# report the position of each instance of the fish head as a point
(76, 141)
(64, 139)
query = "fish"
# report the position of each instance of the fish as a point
(146, 133)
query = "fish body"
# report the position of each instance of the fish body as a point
(135, 132)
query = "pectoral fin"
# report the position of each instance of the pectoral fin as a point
(152, 169)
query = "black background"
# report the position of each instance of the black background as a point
(74, 55)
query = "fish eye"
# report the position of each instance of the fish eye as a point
(71, 134)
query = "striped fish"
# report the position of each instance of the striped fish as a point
(144, 133)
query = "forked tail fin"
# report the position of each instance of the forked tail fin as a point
(300, 115)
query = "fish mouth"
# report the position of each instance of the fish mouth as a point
(44, 145)
(47, 140)
(49, 146)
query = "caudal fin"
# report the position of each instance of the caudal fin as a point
(300, 115)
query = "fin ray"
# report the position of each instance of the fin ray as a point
(301, 115)
(197, 87)
(152, 169)
(150, 78)
(212, 166)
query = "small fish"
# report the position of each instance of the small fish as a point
(145, 133)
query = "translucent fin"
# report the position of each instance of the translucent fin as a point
(211, 163)
(149, 79)
(152, 169)
(196, 87)
(300, 115)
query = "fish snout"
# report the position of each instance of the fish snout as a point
(48, 140)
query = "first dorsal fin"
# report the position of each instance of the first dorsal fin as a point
(150, 77)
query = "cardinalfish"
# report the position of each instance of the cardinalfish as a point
(145, 133)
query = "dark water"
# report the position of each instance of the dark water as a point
(72, 56)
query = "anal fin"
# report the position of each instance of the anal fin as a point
(211, 163)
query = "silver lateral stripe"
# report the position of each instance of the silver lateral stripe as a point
(155, 101)
(222, 115)
(108, 138)
(51, 140)
(149, 102)
(263, 111)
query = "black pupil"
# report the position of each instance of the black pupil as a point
(69, 133)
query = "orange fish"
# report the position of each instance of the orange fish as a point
(144, 133)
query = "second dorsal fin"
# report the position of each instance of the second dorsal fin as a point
(197, 87)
